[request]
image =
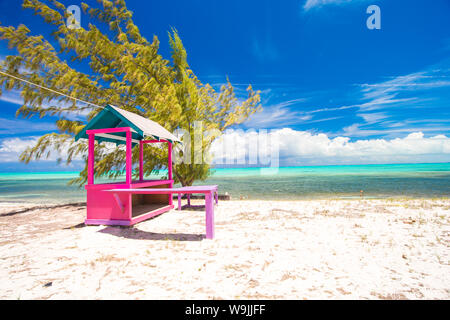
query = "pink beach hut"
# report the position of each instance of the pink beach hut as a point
(129, 202)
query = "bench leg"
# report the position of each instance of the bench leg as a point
(188, 199)
(217, 197)
(179, 201)
(209, 215)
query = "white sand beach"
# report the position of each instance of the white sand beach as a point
(318, 249)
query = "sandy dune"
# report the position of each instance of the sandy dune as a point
(332, 249)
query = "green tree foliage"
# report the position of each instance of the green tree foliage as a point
(124, 69)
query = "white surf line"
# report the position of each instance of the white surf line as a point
(51, 90)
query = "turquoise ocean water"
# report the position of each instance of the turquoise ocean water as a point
(321, 182)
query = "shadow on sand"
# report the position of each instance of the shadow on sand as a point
(77, 226)
(136, 234)
(192, 207)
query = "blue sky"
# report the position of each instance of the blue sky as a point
(320, 70)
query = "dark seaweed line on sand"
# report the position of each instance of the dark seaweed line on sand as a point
(12, 213)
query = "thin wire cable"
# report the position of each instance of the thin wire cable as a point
(51, 90)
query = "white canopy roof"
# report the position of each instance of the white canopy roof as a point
(114, 117)
(148, 127)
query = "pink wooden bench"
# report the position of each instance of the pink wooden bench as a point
(210, 193)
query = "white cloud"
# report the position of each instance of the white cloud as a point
(276, 115)
(415, 81)
(393, 128)
(384, 106)
(301, 148)
(10, 149)
(370, 118)
(301, 143)
(384, 94)
(376, 103)
(16, 126)
(14, 97)
(305, 148)
(309, 4)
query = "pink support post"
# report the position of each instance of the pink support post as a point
(209, 215)
(91, 158)
(169, 169)
(179, 201)
(169, 165)
(141, 161)
(129, 160)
